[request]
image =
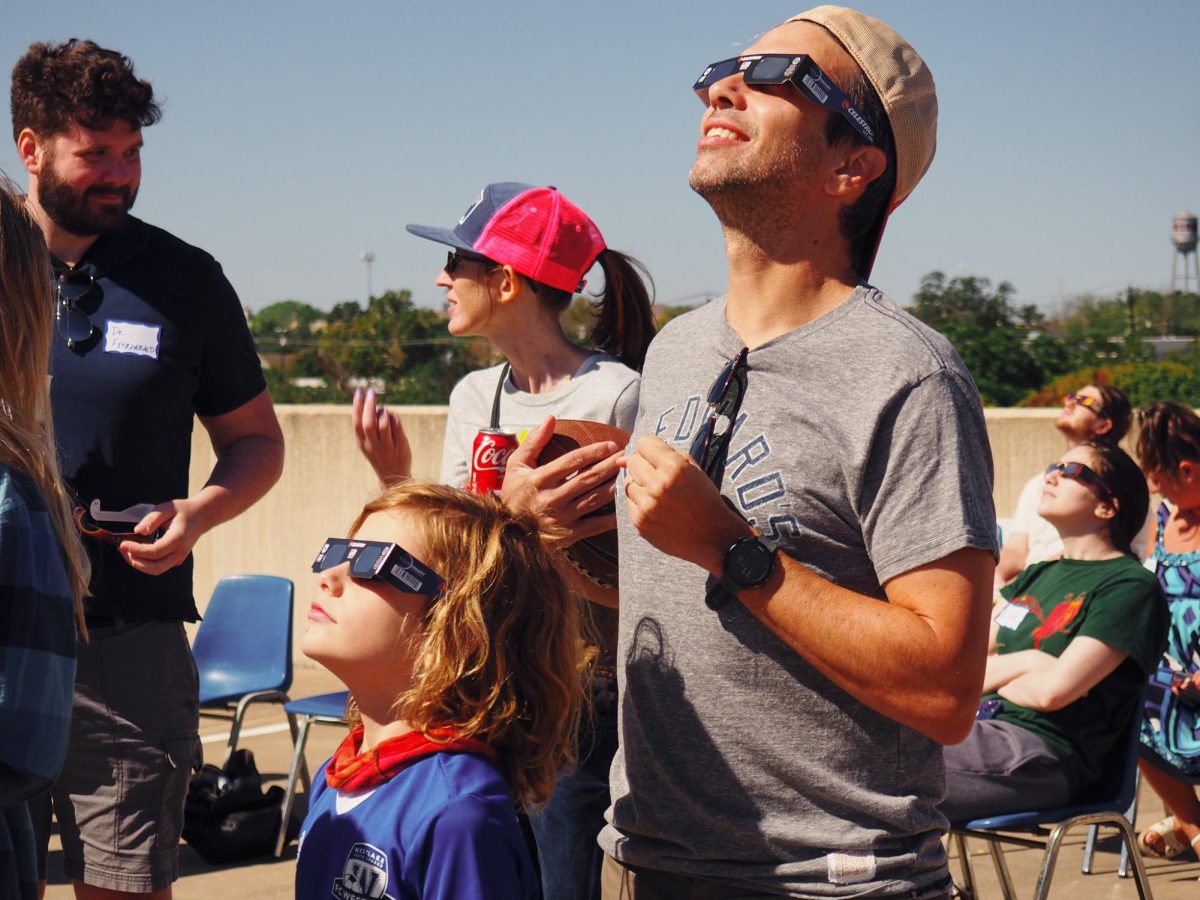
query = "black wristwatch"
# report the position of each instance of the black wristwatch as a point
(749, 562)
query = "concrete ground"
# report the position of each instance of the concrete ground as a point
(266, 734)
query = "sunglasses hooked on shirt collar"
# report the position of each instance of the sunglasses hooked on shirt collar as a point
(798, 70)
(1079, 472)
(710, 447)
(70, 287)
(380, 561)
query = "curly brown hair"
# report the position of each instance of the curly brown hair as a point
(502, 658)
(56, 85)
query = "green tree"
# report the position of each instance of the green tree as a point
(404, 346)
(999, 343)
(346, 311)
(287, 317)
(1111, 329)
(1175, 379)
(283, 390)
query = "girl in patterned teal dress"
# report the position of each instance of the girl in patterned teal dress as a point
(1169, 449)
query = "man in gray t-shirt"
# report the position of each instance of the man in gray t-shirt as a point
(808, 540)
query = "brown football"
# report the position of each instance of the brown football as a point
(595, 557)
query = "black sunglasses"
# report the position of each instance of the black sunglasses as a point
(456, 258)
(1079, 472)
(786, 68)
(72, 323)
(380, 561)
(710, 447)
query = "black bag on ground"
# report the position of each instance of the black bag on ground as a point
(227, 816)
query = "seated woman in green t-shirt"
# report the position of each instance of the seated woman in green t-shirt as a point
(1070, 649)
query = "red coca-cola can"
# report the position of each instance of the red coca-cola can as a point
(489, 456)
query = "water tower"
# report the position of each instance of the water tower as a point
(1183, 236)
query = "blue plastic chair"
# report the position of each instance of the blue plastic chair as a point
(323, 709)
(1107, 805)
(243, 648)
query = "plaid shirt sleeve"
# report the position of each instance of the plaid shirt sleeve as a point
(37, 643)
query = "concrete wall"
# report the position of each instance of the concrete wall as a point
(325, 483)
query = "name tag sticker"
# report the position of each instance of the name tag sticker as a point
(132, 337)
(850, 868)
(1011, 616)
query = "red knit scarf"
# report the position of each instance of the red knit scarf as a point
(350, 770)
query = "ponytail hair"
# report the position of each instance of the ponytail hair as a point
(1130, 495)
(624, 318)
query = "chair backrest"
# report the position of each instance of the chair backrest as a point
(244, 642)
(1118, 782)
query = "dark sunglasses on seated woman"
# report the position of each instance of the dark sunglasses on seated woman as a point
(1079, 472)
(380, 561)
(787, 68)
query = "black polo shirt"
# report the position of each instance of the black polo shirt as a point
(169, 340)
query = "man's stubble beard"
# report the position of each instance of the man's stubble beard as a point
(69, 209)
(755, 193)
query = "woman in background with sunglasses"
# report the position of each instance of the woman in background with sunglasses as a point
(459, 642)
(1070, 649)
(1169, 449)
(519, 255)
(43, 568)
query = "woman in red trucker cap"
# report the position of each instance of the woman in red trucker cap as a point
(517, 257)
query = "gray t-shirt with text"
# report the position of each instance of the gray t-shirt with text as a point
(861, 448)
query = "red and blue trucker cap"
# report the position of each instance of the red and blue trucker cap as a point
(536, 230)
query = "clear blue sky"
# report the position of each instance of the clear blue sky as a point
(299, 133)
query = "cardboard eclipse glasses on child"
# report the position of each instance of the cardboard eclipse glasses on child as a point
(380, 561)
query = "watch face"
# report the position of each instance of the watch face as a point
(750, 563)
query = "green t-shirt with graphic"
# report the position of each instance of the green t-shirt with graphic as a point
(1115, 601)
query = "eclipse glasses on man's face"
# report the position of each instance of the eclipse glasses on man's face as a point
(786, 68)
(380, 561)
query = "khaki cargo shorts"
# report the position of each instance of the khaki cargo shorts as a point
(134, 743)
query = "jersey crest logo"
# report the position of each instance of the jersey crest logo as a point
(364, 875)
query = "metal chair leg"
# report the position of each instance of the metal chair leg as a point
(1002, 875)
(289, 794)
(1049, 860)
(1129, 846)
(1131, 818)
(964, 861)
(239, 716)
(1089, 847)
(1128, 840)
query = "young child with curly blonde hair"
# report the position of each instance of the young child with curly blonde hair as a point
(445, 616)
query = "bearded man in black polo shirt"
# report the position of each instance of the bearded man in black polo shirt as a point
(150, 333)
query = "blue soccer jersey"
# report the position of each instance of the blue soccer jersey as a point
(444, 827)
